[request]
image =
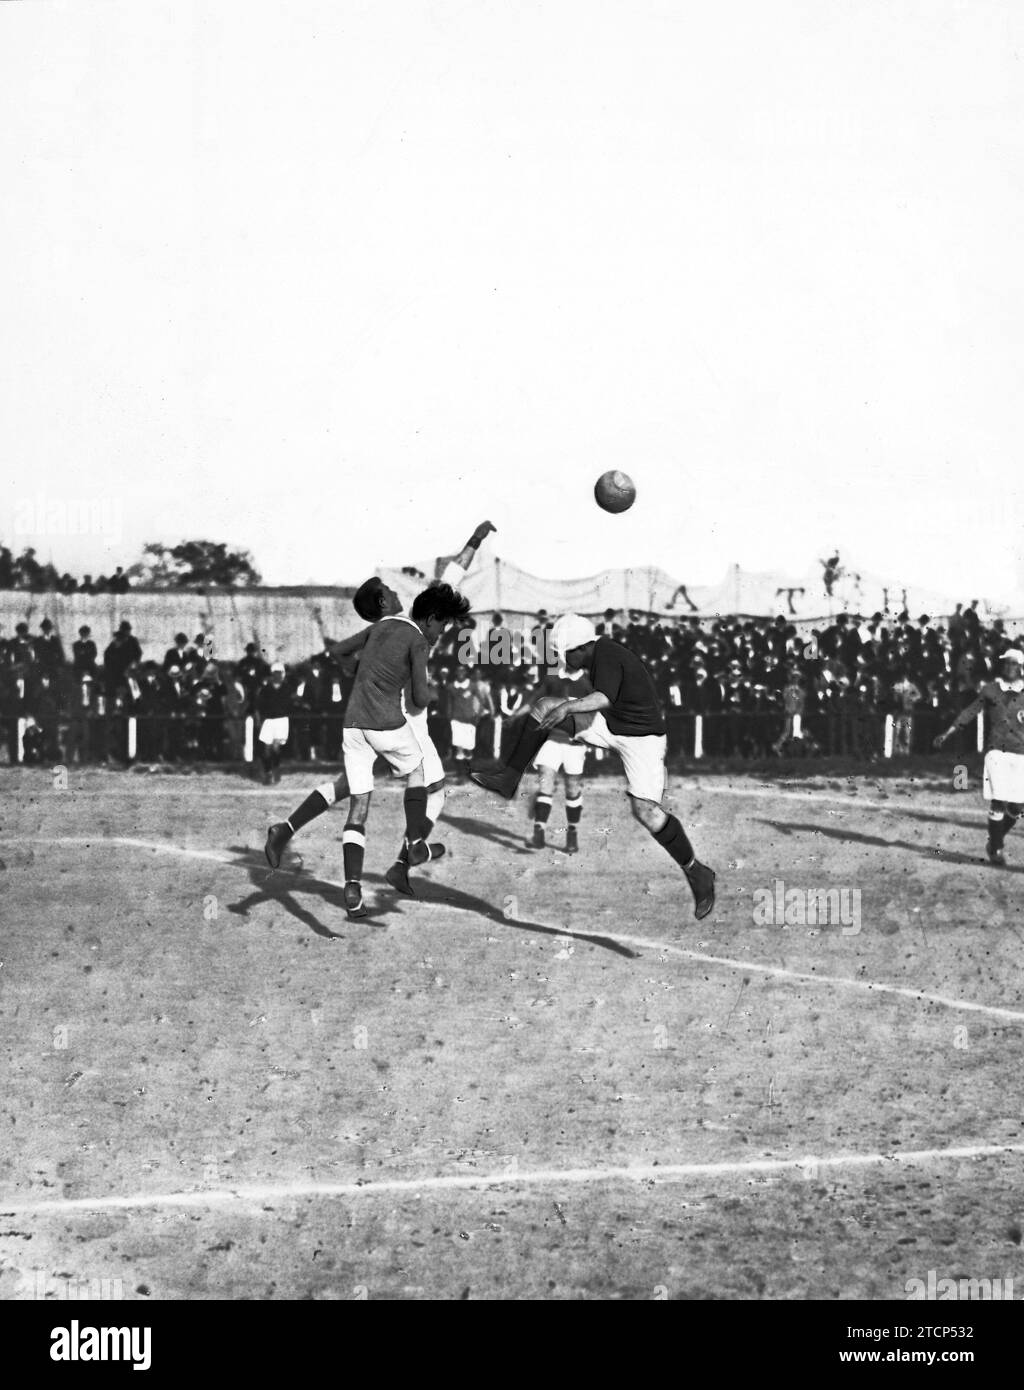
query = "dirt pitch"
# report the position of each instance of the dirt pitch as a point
(542, 1079)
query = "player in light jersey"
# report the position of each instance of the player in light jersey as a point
(561, 753)
(622, 713)
(374, 601)
(1003, 781)
(393, 661)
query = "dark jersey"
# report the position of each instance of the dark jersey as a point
(615, 671)
(1004, 716)
(274, 701)
(393, 646)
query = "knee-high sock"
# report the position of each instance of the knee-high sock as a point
(672, 837)
(435, 805)
(541, 808)
(403, 853)
(998, 825)
(573, 810)
(531, 740)
(415, 813)
(315, 804)
(353, 847)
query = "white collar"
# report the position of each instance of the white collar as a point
(1016, 686)
(398, 618)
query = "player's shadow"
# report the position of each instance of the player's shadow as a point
(442, 894)
(942, 856)
(282, 885)
(485, 830)
(962, 822)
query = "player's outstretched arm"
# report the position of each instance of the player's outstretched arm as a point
(964, 718)
(449, 563)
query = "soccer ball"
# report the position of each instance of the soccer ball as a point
(614, 491)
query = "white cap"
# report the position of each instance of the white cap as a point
(569, 631)
(1014, 654)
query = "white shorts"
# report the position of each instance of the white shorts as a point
(433, 771)
(1003, 778)
(274, 730)
(562, 757)
(463, 736)
(361, 748)
(643, 757)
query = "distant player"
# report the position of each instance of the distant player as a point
(394, 658)
(622, 713)
(1003, 783)
(274, 706)
(561, 753)
(373, 601)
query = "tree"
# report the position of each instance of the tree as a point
(194, 564)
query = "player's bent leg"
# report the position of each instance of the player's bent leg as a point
(416, 823)
(669, 833)
(532, 739)
(319, 800)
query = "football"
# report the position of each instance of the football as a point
(614, 491)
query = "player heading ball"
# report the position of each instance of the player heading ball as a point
(623, 714)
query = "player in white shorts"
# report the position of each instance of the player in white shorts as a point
(560, 754)
(623, 714)
(273, 703)
(1002, 700)
(374, 601)
(394, 658)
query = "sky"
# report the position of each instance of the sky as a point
(335, 281)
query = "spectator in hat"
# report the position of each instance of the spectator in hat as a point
(83, 653)
(20, 651)
(123, 651)
(48, 648)
(180, 654)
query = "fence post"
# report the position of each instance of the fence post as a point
(133, 737)
(887, 750)
(698, 736)
(22, 726)
(249, 737)
(497, 737)
(981, 733)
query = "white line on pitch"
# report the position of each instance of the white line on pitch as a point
(646, 1172)
(779, 971)
(852, 800)
(919, 996)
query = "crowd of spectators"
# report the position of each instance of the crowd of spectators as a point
(761, 686)
(27, 571)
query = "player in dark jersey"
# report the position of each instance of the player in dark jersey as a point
(622, 713)
(1003, 783)
(394, 660)
(561, 753)
(374, 601)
